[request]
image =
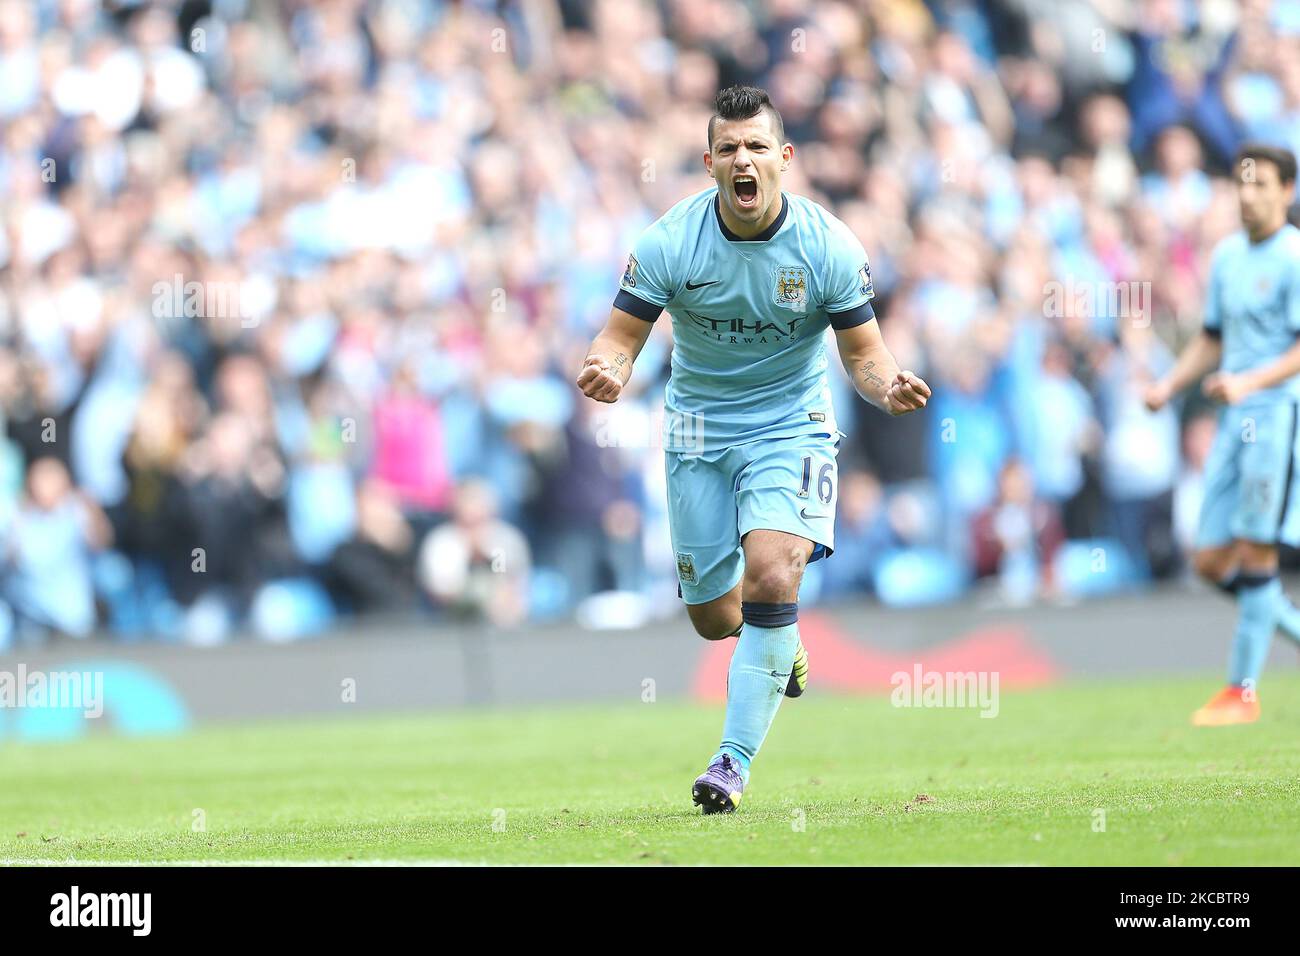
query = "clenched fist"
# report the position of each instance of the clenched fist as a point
(600, 380)
(906, 393)
(1226, 387)
(1157, 396)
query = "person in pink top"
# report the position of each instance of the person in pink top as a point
(409, 455)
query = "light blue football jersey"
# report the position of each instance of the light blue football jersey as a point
(749, 318)
(1253, 303)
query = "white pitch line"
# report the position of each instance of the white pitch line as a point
(229, 863)
(76, 862)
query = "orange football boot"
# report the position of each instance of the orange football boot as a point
(1232, 705)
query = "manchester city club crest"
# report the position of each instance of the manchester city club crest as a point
(791, 290)
(686, 568)
(629, 274)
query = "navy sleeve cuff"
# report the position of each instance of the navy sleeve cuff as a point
(1213, 333)
(859, 315)
(637, 306)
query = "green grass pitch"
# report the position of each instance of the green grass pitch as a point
(1079, 773)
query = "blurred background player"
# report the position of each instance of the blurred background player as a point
(1252, 337)
(752, 278)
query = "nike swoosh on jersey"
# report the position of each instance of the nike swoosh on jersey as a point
(691, 287)
(803, 513)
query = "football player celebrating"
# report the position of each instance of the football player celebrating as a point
(752, 277)
(1252, 320)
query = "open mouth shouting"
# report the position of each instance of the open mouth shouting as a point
(746, 190)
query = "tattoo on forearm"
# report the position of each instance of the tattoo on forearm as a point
(620, 363)
(870, 377)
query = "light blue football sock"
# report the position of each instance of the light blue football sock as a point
(1288, 615)
(1258, 602)
(756, 680)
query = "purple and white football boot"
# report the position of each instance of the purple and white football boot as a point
(718, 789)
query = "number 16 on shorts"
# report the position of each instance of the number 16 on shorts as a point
(825, 479)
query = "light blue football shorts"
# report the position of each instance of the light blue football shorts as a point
(1250, 476)
(715, 499)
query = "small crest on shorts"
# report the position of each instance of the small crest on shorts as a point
(686, 568)
(629, 274)
(816, 416)
(791, 287)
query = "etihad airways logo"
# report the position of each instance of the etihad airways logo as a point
(746, 332)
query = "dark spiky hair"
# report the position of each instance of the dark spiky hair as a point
(1283, 159)
(744, 102)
